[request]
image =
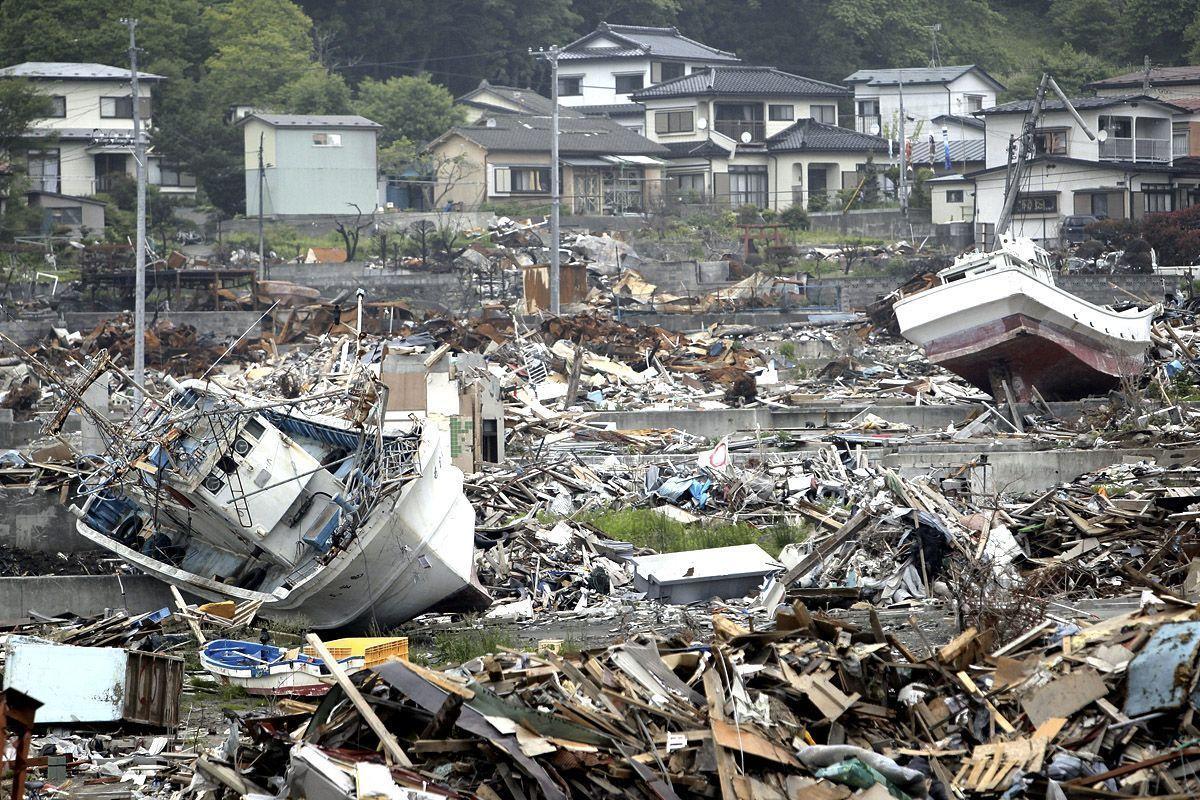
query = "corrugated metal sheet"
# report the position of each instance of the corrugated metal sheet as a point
(1163, 672)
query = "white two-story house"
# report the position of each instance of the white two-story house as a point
(758, 136)
(88, 137)
(1127, 171)
(599, 72)
(929, 93)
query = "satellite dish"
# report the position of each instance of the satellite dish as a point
(746, 137)
(874, 128)
(702, 123)
(490, 123)
(1102, 135)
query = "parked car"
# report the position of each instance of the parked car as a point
(1074, 227)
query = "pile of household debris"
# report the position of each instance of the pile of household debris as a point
(807, 706)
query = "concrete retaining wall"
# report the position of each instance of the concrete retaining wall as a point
(216, 323)
(685, 277)
(333, 279)
(81, 594)
(39, 523)
(858, 292)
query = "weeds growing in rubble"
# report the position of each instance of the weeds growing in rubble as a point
(646, 527)
(455, 647)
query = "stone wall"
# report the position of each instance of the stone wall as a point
(443, 289)
(86, 595)
(890, 224)
(850, 293)
(217, 323)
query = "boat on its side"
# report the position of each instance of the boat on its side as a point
(332, 522)
(999, 316)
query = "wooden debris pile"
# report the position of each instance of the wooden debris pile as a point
(809, 707)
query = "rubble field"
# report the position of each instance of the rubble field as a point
(598, 596)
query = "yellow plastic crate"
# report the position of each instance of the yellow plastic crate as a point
(372, 649)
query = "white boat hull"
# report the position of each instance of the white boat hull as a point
(1010, 323)
(415, 552)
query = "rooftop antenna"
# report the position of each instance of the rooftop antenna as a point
(935, 58)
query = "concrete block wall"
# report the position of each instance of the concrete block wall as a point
(217, 323)
(849, 293)
(332, 279)
(39, 523)
(685, 276)
(82, 594)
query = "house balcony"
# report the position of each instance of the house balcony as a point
(1157, 151)
(734, 128)
(870, 123)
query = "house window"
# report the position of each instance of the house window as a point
(748, 186)
(67, 215)
(327, 140)
(823, 113)
(974, 102)
(172, 175)
(1100, 205)
(666, 70)
(674, 121)
(1050, 141)
(781, 112)
(58, 106)
(1036, 203)
(627, 84)
(570, 85)
(954, 195)
(687, 184)
(122, 107)
(1180, 140)
(1158, 197)
(42, 167)
(869, 120)
(522, 180)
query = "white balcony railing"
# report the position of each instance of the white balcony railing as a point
(1140, 149)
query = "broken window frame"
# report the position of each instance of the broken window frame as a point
(1054, 141)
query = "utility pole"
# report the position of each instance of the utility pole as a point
(1023, 145)
(551, 55)
(139, 157)
(903, 188)
(262, 176)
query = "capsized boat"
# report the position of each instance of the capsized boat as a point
(311, 505)
(999, 316)
(269, 671)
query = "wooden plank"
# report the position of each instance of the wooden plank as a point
(391, 747)
(187, 616)
(747, 741)
(726, 770)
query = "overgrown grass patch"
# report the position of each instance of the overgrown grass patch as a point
(646, 527)
(455, 647)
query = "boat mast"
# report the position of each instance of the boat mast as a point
(1025, 147)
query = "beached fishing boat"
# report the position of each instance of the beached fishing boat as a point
(998, 316)
(329, 517)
